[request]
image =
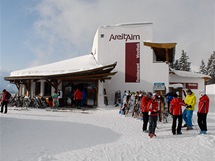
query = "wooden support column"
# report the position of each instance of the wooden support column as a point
(54, 83)
(27, 84)
(167, 55)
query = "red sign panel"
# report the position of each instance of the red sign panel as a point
(192, 85)
(132, 62)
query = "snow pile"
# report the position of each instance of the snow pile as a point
(97, 135)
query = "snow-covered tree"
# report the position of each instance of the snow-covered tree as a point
(202, 68)
(211, 68)
(183, 63)
(176, 65)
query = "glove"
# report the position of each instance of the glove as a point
(188, 106)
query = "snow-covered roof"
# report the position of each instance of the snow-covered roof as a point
(78, 64)
(189, 74)
(127, 24)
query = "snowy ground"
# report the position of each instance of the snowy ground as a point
(97, 135)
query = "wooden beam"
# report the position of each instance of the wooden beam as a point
(160, 45)
(167, 55)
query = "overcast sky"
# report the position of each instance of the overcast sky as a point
(36, 32)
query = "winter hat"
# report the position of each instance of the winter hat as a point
(202, 92)
(189, 90)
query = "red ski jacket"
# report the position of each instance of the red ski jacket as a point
(203, 106)
(78, 95)
(4, 96)
(153, 107)
(144, 101)
(175, 106)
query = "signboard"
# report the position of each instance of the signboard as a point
(132, 62)
(192, 85)
(159, 86)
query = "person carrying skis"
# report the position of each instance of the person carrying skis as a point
(176, 111)
(203, 108)
(153, 107)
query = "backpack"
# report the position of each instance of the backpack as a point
(8, 95)
(169, 98)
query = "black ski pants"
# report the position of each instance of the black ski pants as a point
(145, 120)
(152, 124)
(202, 121)
(4, 104)
(175, 118)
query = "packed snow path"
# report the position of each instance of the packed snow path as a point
(97, 135)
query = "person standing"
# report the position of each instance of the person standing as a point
(190, 101)
(153, 107)
(169, 96)
(78, 98)
(144, 101)
(176, 111)
(203, 108)
(4, 100)
(55, 99)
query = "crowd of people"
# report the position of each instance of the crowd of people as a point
(155, 107)
(149, 107)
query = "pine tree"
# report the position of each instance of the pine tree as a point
(211, 68)
(202, 68)
(184, 65)
(176, 65)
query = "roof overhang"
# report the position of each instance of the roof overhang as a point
(163, 51)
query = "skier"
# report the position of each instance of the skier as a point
(169, 96)
(78, 98)
(187, 114)
(144, 101)
(4, 100)
(55, 99)
(203, 108)
(153, 108)
(176, 111)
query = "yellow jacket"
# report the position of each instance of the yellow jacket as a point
(190, 100)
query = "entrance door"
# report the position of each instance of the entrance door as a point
(89, 92)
